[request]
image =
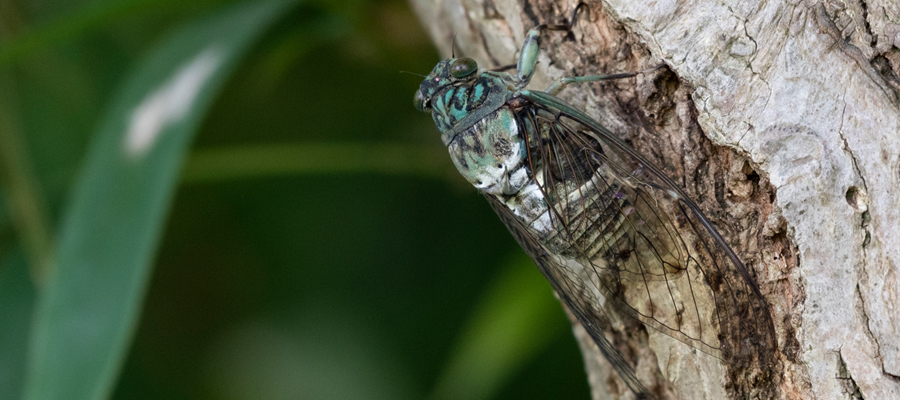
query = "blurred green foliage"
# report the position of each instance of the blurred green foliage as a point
(319, 245)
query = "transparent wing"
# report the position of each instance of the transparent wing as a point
(623, 232)
(581, 302)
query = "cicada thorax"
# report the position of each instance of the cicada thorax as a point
(491, 154)
(460, 104)
(459, 100)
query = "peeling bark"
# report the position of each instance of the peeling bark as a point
(782, 120)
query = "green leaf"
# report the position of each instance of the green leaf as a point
(16, 305)
(89, 305)
(516, 319)
(91, 17)
(245, 162)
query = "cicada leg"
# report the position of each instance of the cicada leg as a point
(561, 83)
(528, 57)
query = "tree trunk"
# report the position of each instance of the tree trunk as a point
(782, 122)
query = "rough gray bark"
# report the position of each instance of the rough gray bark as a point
(782, 121)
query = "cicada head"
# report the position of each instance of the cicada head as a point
(457, 95)
(446, 74)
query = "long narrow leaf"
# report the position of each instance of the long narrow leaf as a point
(16, 305)
(89, 306)
(515, 320)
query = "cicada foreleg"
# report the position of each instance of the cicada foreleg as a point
(528, 57)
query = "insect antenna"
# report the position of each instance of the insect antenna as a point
(412, 73)
(453, 46)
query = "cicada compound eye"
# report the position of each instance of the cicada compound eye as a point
(463, 67)
(419, 101)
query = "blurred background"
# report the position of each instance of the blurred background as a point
(319, 244)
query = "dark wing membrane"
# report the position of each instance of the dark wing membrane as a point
(640, 242)
(573, 293)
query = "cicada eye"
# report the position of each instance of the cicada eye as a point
(419, 101)
(463, 67)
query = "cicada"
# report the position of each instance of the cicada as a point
(603, 224)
